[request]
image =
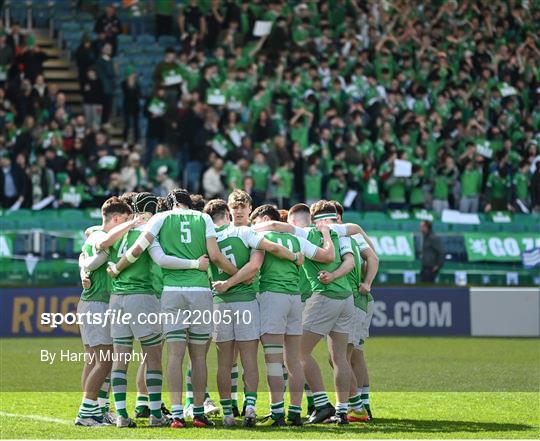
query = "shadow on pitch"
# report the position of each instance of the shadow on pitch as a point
(395, 425)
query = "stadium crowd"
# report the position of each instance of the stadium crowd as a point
(326, 103)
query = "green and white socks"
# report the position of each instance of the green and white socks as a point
(355, 403)
(103, 395)
(234, 385)
(177, 411)
(250, 400)
(119, 387)
(90, 409)
(227, 407)
(154, 382)
(320, 399)
(277, 410)
(293, 411)
(142, 402)
(364, 395)
(341, 408)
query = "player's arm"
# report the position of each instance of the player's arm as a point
(92, 263)
(280, 227)
(117, 232)
(324, 254)
(280, 251)
(172, 262)
(347, 265)
(85, 280)
(145, 239)
(350, 230)
(217, 258)
(244, 274)
(371, 268)
(347, 262)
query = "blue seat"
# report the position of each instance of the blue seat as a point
(167, 40)
(41, 14)
(146, 39)
(18, 12)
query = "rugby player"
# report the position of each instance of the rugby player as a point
(186, 234)
(236, 295)
(132, 293)
(281, 315)
(95, 300)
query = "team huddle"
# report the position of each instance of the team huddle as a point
(282, 279)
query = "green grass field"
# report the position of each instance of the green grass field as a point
(421, 388)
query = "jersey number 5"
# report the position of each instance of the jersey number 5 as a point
(185, 232)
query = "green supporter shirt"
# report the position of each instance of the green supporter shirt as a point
(280, 275)
(337, 190)
(135, 279)
(471, 182)
(183, 233)
(313, 186)
(236, 244)
(521, 184)
(340, 288)
(261, 176)
(284, 187)
(100, 281)
(440, 189)
(370, 191)
(498, 185)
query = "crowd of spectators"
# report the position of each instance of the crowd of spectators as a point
(323, 106)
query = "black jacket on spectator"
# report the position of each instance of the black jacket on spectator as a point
(20, 180)
(92, 91)
(132, 95)
(156, 125)
(33, 63)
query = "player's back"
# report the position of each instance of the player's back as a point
(338, 288)
(135, 279)
(234, 244)
(101, 282)
(280, 275)
(183, 234)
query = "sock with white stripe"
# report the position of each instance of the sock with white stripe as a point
(320, 399)
(177, 411)
(355, 402)
(189, 387)
(154, 381)
(103, 395)
(364, 395)
(234, 385)
(119, 387)
(90, 409)
(341, 408)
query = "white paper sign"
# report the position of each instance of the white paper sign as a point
(349, 198)
(262, 28)
(455, 217)
(402, 169)
(409, 277)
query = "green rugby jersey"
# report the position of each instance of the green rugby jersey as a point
(362, 245)
(235, 244)
(156, 273)
(183, 233)
(136, 278)
(280, 275)
(100, 281)
(340, 288)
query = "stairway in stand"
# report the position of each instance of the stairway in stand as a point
(61, 69)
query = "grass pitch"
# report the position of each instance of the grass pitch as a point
(421, 388)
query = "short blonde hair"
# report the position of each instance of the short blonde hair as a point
(239, 198)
